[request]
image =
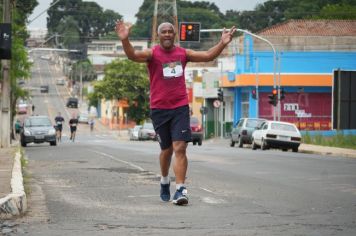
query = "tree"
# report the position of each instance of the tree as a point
(84, 18)
(206, 13)
(128, 80)
(338, 11)
(20, 66)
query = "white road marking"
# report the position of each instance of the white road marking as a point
(207, 190)
(119, 160)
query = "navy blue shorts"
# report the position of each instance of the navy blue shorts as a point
(171, 125)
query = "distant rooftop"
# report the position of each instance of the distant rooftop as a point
(312, 28)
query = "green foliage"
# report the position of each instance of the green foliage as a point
(337, 11)
(76, 20)
(82, 69)
(128, 80)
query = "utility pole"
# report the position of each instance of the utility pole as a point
(165, 11)
(5, 86)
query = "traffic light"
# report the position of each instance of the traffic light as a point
(254, 93)
(220, 94)
(273, 98)
(283, 95)
(189, 32)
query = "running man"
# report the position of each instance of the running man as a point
(168, 98)
(73, 123)
(59, 120)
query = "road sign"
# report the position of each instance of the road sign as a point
(217, 103)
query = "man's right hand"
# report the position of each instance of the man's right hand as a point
(122, 29)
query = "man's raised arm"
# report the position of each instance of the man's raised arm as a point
(212, 53)
(123, 31)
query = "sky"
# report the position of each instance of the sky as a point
(129, 8)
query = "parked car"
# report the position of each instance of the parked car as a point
(72, 102)
(38, 129)
(44, 88)
(197, 131)
(60, 81)
(276, 134)
(83, 117)
(22, 108)
(134, 132)
(147, 132)
(242, 132)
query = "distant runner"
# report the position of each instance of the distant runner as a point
(73, 123)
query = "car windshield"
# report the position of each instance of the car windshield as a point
(148, 126)
(40, 121)
(253, 123)
(137, 128)
(284, 127)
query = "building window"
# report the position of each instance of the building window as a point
(245, 105)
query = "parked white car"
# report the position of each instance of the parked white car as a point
(134, 132)
(276, 134)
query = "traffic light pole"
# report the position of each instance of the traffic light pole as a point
(274, 56)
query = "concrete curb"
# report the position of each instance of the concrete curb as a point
(15, 203)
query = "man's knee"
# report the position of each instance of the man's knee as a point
(180, 148)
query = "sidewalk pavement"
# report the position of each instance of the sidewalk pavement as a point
(12, 193)
(13, 198)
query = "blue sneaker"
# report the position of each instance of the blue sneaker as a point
(165, 192)
(180, 197)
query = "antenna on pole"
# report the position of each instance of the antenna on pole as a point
(164, 11)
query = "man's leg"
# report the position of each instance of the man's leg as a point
(165, 160)
(180, 163)
(180, 169)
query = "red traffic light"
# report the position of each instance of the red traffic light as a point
(274, 91)
(254, 93)
(189, 31)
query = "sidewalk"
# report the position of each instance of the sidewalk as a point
(13, 198)
(12, 194)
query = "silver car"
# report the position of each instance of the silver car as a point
(38, 129)
(242, 132)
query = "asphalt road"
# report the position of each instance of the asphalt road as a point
(103, 184)
(100, 185)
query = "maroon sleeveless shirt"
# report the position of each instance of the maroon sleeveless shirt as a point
(167, 81)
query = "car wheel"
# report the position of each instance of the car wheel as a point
(54, 143)
(263, 144)
(295, 149)
(254, 145)
(200, 142)
(241, 143)
(232, 143)
(194, 143)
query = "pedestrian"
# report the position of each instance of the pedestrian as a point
(168, 98)
(91, 124)
(18, 127)
(33, 108)
(73, 123)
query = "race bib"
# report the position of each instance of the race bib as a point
(59, 122)
(74, 125)
(172, 70)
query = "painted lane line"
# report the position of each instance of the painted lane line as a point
(207, 190)
(119, 160)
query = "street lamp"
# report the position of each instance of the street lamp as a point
(274, 56)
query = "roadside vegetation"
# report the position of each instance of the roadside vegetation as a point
(339, 140)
